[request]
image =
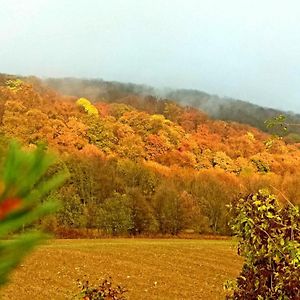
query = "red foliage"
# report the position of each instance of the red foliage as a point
(8, 206)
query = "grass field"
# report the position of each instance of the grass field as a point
(148, 268)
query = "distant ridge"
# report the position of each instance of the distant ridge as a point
(227, 109)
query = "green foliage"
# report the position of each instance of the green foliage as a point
(104, 291)
(23, 188)
(14, 84)
(279, 127)
(117, 110)
(114, 216)
(261, 166)
(269, 143)
(101, 133)
(277, 122)
(169, 210)
(136, 175)
(72, 213)
(270, 243)
(223, 161)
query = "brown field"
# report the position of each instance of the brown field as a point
(148, 268)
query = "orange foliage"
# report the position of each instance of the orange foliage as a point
(180, 138)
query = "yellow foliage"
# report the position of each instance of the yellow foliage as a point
(14, 84)
(87, 106)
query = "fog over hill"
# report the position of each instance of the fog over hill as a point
(216, 107)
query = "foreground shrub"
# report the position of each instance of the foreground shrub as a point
(270, 243)
(23, 186)
(104, 291)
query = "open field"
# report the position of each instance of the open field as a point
(149, 268)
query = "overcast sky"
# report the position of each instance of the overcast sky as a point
(237, 48)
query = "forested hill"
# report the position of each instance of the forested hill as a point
(226, 109)
(142, 165)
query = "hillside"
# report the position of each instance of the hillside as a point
(151, 167)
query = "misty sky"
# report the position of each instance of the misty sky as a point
(236, 48)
